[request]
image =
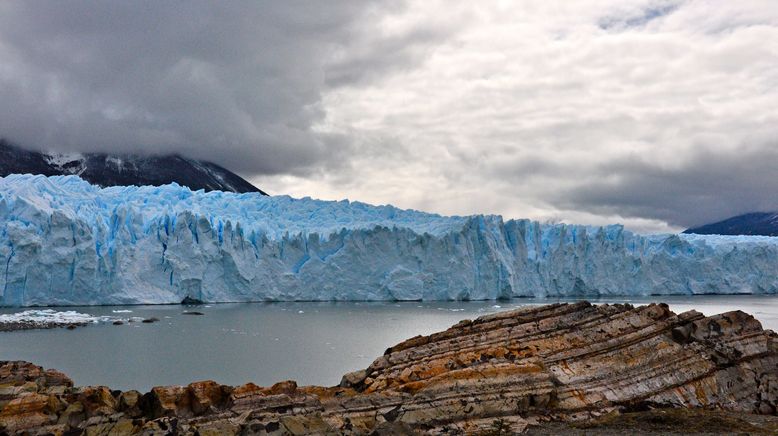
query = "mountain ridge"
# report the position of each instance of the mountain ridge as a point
(123, 169)
(753, 223)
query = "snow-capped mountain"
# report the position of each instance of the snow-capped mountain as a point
(756, 223)
(64, 241)
(123, 170)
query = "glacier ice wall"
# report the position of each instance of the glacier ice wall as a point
(65, 241)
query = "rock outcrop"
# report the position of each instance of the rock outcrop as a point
(499, 373)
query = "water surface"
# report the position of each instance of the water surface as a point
(313, 343)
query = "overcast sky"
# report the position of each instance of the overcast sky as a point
(656, 114)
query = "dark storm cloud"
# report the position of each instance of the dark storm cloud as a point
(385, 55)
(238, 83)
(709, 185)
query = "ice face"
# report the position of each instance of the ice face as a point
(65, 241)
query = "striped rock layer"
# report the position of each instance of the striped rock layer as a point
(503, 371)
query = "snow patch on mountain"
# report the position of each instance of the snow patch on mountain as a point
(67, 163)
(122, 170)
(60, 160)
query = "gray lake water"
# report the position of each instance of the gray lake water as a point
(313, 343)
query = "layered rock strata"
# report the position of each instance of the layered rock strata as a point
(501, 372)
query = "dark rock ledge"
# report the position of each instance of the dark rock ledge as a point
(555, 369)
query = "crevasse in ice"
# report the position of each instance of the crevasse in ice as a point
(65, 241)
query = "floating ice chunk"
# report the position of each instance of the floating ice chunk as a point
(50, 316)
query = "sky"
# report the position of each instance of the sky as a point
(659, 115)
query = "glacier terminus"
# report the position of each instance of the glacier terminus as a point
(67, 242)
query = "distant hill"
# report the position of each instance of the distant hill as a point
(121, 170)
(756, 223)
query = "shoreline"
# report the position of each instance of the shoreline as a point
(190, 308)
(533, 369)
(565, 298)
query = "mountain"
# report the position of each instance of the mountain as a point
(123, 170)
(756, 223)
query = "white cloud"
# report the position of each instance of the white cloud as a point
(660, 114)
(529, 105)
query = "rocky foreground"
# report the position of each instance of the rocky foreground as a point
(530, 369)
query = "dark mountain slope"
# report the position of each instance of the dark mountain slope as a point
(756, 223)
(121, 170)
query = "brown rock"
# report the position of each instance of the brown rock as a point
(497, 374)
(287, 387)
(170, 401)
(305, 425)
(97, 400)
(73, 415)
(10, 391)
(206, 396)
(245, 396)
(129, 404)
(18, 373)
(29, 411)
(353, 379)
(218, 428)
(160, 426)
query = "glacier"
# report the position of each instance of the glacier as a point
(67, 242)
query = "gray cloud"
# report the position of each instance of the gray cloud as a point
(662, 118)
(659, 114)
(709, 185)
(239, 83)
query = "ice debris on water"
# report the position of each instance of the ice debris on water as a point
(51, 316)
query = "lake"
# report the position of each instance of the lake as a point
(313, 343)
